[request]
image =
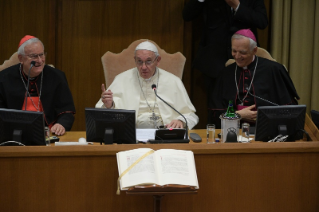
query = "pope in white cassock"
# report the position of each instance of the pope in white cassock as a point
(132, 90)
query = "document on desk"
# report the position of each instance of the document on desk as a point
(145, 134)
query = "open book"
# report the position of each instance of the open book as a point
(165, 166)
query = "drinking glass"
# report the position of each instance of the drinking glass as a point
(210, 130)
(244, 133)
(47, 136)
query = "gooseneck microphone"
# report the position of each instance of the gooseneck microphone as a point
(154, 88)
(26, 94)
(265, 100)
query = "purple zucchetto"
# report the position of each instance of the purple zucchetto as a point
(247, 33)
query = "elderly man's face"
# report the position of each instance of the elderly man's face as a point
(146, 62)
(241, 52)
(33, 52)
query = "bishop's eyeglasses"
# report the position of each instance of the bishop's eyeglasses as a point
(36, 56)
(147, 62)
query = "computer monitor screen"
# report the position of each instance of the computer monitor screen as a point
(110, 126)
(285, 120)
(26, 127)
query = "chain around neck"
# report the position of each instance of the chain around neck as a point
(242, 100)
(138, 77)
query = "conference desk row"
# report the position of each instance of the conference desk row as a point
(255, 176)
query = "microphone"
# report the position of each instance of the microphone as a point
(154, 88)
(26, 94)
(265, 100)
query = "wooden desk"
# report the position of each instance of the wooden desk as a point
(232, 177)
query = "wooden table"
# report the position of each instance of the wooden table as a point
(253, 176)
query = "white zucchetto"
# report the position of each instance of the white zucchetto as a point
(146, 45)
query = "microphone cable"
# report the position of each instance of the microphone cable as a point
(265, 100)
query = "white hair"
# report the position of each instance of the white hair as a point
(32, 40)
(252, 43)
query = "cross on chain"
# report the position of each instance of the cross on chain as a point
(154, 118)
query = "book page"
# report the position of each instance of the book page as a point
(176, 167)
(141, 173)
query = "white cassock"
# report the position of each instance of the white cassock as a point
(130, 90)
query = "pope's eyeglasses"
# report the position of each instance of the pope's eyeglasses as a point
(147, 62)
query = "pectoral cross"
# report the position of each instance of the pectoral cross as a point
(154, 118)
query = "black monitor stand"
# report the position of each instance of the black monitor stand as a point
(17, 136)
(108, 136)
(282, 130)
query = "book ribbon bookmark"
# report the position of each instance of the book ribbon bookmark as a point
(129, 168)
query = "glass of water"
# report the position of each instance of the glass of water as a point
(245, 133)
(47, 136)
(210, 130)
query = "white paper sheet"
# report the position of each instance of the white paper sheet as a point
(240, 138)
(145, 134)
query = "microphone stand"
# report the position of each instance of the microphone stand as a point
(154, 88)
(26, 95)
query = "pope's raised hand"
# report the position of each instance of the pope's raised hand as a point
(106, 97)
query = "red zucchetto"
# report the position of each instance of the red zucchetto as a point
(25, 38)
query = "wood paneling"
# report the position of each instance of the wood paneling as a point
(256, 176)
(228, 182)
(26, 17)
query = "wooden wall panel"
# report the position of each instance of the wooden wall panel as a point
(26, 17)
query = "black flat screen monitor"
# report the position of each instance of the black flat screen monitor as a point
(110, 126)
(26, 127)
(285, 120)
